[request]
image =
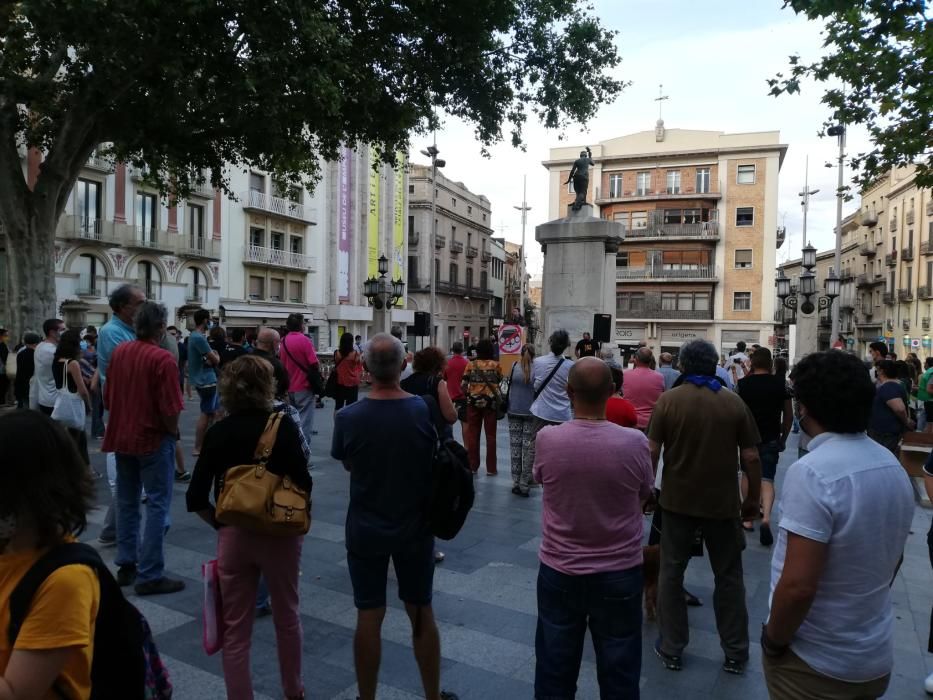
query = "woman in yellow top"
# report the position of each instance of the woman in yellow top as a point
(481, 386)
(45, 493)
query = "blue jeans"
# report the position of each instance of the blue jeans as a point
(154, 471)
(303, 401)
(610, 604)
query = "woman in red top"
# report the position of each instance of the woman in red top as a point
(618, 410)
(349, 369)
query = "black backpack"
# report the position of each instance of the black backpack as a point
(126, 663)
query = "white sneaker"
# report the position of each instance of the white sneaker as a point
(928, 684)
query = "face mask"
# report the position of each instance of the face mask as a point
(803, 427)
(7, 527)
(83, 345)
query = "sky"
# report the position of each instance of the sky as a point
(713, 60)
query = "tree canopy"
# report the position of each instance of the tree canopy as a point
(879, 60)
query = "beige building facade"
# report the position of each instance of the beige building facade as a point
(700, 212)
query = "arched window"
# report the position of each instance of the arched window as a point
(92, 275)
(149, 279)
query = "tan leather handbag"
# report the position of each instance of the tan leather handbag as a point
(255, 499)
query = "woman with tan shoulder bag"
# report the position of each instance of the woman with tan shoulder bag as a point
(255, 462)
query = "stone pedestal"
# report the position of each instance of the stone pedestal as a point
(807, 334)
(579, 271)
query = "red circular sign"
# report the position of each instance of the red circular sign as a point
(510, 339)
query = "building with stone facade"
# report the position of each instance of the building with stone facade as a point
(700, 212)
(463, 260)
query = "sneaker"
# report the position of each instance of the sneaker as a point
(671, 663)
(764, 535)
(182, 476)
(159, 586)
(523, 494)
(928, 684)
(736, 668)
(438, 556)
(107, 541)
(516, 490)
(126, 575)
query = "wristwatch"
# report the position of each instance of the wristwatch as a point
(770, 648)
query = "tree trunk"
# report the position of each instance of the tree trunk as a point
(31, 279)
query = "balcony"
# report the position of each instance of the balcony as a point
(151, 239)
(101, 165)
(889, 324)
(925, 323)
(275, 257)
(887, 298)
(413, 238)
(846, 274)
(905, 324)
(667, 273)
(870, 218)
(277, 206)
(456, 246)
(78, 229)
(657, 230)
(88, 289)
(642, 195)
(929, 207)
(867, 249)
(139, 172)
(925, 292)
(847, 304)
(194, 295)
(463, 291)
(652, 309)
(907, 254)
(905, 294)
(198, 247)
(909, 217)
(152, 289)
(891, 259)
(439, 241)
(865, 320)
(472, 251)
(204, 190)
(926, 247)
(892, 225)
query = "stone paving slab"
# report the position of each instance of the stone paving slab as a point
(484, 603)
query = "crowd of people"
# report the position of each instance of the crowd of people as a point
(694, 444)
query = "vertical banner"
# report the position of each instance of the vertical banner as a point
(398, 232)
(343, 227)
(372, 238)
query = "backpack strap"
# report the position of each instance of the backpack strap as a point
(267, 439)
(61, 555)
(547, 380)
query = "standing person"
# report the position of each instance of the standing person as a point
(358, 344)
(144, 401)
(701, 431)
(89, 363)
(453, 374)
(386, 441)
(839, 343)
(41, 509)
(889, 416)
(234, 346)
(67, 375)
(300, 361)
(845, 516)
(521, 396)
(643, 386)
(4, 354)
(267, 347)
(551, 405)
(737, 363)
(217, 339)
(925, 393)
(44, 360)
(348, 364)
(591, 558)
(767, 397)
(202, 361)
(877, 351)
(619, 410)
(247, 389)
(124, 301)
(666, 369)
(587, 347)
(427, 379)
(25, 368)
(481, 386)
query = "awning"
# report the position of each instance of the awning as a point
(261, 311)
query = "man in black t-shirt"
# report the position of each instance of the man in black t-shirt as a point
(234, 347)
(769, 401)
(587, 347)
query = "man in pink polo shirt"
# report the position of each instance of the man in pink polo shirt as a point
(591, 557)
(300, 361)
(643, 386)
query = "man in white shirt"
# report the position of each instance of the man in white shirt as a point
(845, 516)
(737, 364)
(45, 358)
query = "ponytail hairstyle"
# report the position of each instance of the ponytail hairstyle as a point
(528, 357)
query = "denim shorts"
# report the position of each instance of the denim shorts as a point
(208, 395)
(414, 569)
(770, 455)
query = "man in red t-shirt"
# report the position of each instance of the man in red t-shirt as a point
(453, 375)
(144, 400)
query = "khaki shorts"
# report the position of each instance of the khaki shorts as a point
(791, 678)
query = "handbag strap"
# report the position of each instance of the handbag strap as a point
(549, 377)
(267, 439)
(65, 390)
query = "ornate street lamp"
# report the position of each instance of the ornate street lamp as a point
(807, 288)
(381, 292)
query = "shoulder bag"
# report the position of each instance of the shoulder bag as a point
(69, 407)
(549, 377)
(11, 365)
(312, 373)
(330, 386)
(255, 499)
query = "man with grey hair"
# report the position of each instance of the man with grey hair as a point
(667, 370)
(702, 430)
(386, 441)
(643, 386)
(144, 400)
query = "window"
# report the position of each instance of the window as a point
(745, 175)
(88, 207)
(639, 220)
(257, 237)
(668, 301)
(413, 272)
(276, 289)
(910, 278)
(150, 280)
(483, 279)
(484, 216)
(702, 180)
(701, 302)
(256, 287)
(744, 216)
(196, 226)
(278, 240)
(692, 216)
(257, 182)
(672, 216)
(630, 301)
(930, 273)
(411, 226)
(469, 277)
(146, 218)
(453, 202)
(454, 277)
(642, 183)
(469, 209)
(622, 216)
(195, 290)
(295, 244)
(622, 260)
(615, 185)
(743, 258)
(294, 291)
(411, 189)
(741, 301)
(92, 278)
(673, 182)
(437, 269)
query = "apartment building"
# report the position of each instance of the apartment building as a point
(700, 213)
(463, 259)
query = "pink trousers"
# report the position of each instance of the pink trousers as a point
(242, 556)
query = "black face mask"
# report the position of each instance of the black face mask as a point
(800, 421)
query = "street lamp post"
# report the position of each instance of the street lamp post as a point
(524, 209)
(840, 132)
(431, 152)
(802, 300)
(383, 293)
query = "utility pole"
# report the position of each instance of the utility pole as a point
(524, 209)
(805, 200)
(840, 132)
(431, 152)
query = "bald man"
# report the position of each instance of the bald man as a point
(267, 347)
(643, 386)
(591, 558)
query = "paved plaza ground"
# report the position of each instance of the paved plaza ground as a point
(484, 600)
